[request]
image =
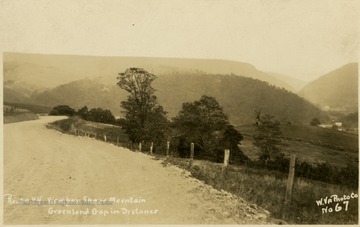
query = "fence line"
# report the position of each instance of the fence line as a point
(224, 166)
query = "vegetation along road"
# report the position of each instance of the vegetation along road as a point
(55, 178)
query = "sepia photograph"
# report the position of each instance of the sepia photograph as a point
(180, 112)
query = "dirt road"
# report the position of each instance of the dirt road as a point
(43, 166)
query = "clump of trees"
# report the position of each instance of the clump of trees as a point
(97, 115)
(144, 119)
(62, 110)
(315, 122)
(10, 109)
(202, 122)
(205, 123)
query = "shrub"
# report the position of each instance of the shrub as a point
(97, 115)
(62, 110)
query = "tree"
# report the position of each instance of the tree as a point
(100, 115)
(144, 119)
(62, 110)
(97, 115)
(315, 122)
(83, 112)
(267, 137)
(205, 123)
(231, 139)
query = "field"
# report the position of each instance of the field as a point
(310, 144)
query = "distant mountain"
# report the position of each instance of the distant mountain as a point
(295, 84)
(240, 96)
(50, 80)
(48, 71)
(336, 90)
(86, 92)
(14, 96)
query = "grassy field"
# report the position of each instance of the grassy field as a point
(311, 144)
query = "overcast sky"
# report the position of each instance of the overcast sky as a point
(302, 39)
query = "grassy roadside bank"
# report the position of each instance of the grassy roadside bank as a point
(267, 190)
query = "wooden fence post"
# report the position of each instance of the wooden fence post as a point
(290, 180)
(224, 166)
(105, 138)
(191, 154)
(151, 148)
(117, 141)
(140, 147)
(167, 148)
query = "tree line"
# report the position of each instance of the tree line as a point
(95, 114)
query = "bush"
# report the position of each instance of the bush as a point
(62, 110)
(315, 122)
(97, 115)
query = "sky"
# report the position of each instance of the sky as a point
(302, 39)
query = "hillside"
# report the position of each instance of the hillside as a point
(336, 90)
(86, 92)
(13, 96)
(295, 84)
(48, 71)
(239, 96)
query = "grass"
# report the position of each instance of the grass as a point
(329, 138)
(310, 144)
(322, 137)
(113, 133)
(267, 189)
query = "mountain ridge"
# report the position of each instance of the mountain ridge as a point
(59, 69)
(239, 96)
(336, 90)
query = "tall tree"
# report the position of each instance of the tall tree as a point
(141, 109)
(267, 136)
(205, 123)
